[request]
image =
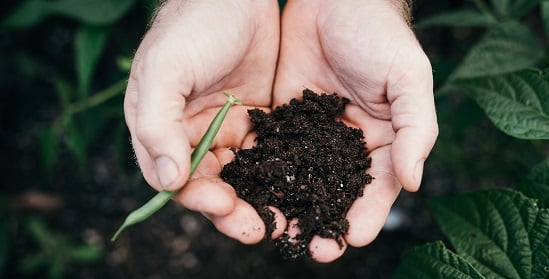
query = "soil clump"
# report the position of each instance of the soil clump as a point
(307, 163)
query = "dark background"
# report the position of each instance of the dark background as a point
(80, 201)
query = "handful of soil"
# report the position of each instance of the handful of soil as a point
(308, 164)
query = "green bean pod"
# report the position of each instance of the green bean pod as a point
(160, 199)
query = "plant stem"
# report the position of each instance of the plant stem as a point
(97, 98)
(198, 154)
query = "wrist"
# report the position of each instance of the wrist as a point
(405, 8)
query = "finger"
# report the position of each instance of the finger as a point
(325, 250)
(208, 195)
(280, 223)
(159, 86)
(206, 192)
(242, 224)
(157, 169)
(293, 229)
(222, 157)
(159, 130)
(170, 64)
(410, 93)
(369, 212)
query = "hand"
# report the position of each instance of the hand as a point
(365, 51)
(193, 51)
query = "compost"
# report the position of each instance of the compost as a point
(307, 163)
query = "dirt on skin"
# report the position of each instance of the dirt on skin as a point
(307, 163)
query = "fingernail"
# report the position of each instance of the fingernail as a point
(166, 170)
(418, 172)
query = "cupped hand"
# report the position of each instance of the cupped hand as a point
(365, 51)
(193, 51)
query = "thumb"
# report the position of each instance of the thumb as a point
(154, 108)
(410, 93)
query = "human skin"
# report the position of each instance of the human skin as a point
(194, 50)
(365, 51)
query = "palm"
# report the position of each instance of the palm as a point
(188, 57)
(197, 49)
(338, 48)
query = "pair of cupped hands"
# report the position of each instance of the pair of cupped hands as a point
(362, 49)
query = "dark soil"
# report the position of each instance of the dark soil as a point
(307, 163)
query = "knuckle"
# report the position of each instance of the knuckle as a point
(148, 133)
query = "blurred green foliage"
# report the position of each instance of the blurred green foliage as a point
(55, 252)
(496, 233)
(66, 62)
(89, 109)
(492, 67)
(101, 12)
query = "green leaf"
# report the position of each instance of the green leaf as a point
(457, 18)
(124, 63)
(48, 146)
(86, 253)
(25, 64)
(517, 103)
(27, 14)
(98, 12)
(76, 142)
(544, 7)
(505, 48)
(33, 262)
(65, 92)
(40, 233)
(502, 233)
(89, 43)
(433, 260)
(536, 184)
(513, 8)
